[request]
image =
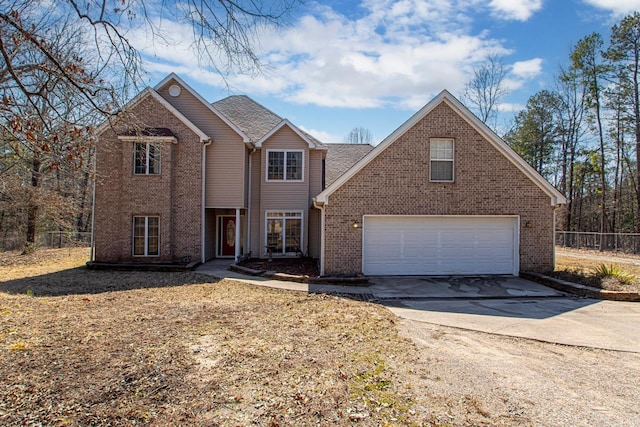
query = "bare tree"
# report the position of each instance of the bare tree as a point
(67, 65)
(358, 135)
(486, 88)
(107, 66)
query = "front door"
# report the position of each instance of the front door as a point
(227, 233)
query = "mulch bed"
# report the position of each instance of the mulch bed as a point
(294, 266)
(607, 283)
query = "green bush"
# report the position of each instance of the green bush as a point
(604, 271)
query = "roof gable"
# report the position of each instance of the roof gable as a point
(248, 115)
(446, 97)
(341, 157)
(311, 142)
(167, 80)
(149, 92)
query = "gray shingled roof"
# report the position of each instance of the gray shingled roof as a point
(340, 157)
(252, 118)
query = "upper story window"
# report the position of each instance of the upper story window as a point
(441, 157)
(146, 158)
(284, 165)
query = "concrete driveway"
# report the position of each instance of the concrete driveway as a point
(509, 305)
(504, 305)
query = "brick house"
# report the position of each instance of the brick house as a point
(183, 180)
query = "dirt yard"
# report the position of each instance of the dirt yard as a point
(81, 347)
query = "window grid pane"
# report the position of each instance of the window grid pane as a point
(140, 167)
(138, 235)
(154, 159)
(274, 234)
(441, 170)
(441, 149)
(293, 227)
(294, 165)
(276, 165)
(153, 233)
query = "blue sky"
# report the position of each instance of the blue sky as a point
(341, 64)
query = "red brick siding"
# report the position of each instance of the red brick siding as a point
(396, 182)
(175, 195)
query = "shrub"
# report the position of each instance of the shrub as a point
(604, 271)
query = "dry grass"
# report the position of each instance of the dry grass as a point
(82, 347)
(582, 265)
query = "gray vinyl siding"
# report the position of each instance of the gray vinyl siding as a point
(226, 156)
(284, 196)
(226, 163)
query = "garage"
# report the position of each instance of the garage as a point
(439, 245)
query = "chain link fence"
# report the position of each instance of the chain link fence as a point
(618, 242)
(47, 239)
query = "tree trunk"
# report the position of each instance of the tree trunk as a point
(636, 112)
(32, 208)
(603, 174)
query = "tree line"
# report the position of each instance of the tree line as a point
(67, 66)
(583, 135)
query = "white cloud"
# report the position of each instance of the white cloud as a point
(520, 10)
(506, 107)
(618, 7)
(322, 136)
(396, 54)
(527, 69)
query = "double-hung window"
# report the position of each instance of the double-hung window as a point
(284, 232)
(146, 235)
(146, 159)
(284, 165)
(441, 157)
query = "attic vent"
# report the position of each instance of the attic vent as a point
(174, 90)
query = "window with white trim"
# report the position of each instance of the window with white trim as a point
(146, 158)
(146, 235)
(284, 232)
(441, 157)
(285, 165)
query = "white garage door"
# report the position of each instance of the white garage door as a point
(432, 245)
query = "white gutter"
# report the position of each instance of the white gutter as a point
(203, 254)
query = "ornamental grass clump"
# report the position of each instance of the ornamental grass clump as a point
(604, 271)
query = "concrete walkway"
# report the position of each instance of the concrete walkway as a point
(504, 305)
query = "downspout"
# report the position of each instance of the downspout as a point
(555, 210)
(320, 206)
(249, 201)
(203, 200)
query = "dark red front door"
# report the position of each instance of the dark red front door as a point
(228, 236)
